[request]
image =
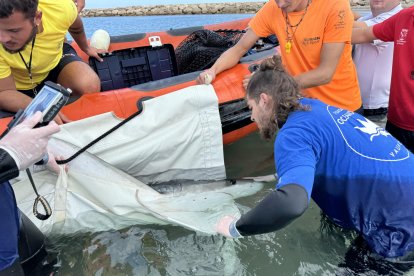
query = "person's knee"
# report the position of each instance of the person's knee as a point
(88, 84)
(79, 77)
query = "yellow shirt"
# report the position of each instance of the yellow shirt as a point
(324, 22)
(57, 17)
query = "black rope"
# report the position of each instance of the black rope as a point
(40, 199)
(93, 142)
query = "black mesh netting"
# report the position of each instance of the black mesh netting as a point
(203, 47)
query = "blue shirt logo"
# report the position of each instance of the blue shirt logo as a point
(354, 127)
(372, 129)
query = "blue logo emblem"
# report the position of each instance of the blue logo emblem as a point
(355, 130)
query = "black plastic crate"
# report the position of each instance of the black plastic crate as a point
(128, 67)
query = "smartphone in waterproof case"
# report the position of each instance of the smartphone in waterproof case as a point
(50, 99)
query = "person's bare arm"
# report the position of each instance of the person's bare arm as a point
(78, 33)
(359, 24)
(362, 35)
(230, 57)
(356, 15)
(80, 4)
(11, 99)
(330, 55)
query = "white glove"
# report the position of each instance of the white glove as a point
(27, 145)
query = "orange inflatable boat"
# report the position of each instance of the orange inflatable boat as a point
(152, 64)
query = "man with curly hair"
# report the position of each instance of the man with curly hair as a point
(359, 175)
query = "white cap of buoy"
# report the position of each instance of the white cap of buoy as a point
(100, 40)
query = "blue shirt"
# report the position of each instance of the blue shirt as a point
(357, 173)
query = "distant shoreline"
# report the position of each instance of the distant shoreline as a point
(210, 8)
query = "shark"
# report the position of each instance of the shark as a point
(92, 195)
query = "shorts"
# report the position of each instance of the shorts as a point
(377, 111)
(69, 55)
(406, 137)
(378, 116)
(360, 110)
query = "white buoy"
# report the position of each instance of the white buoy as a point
(100, 40)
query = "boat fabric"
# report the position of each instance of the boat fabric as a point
(177, 136)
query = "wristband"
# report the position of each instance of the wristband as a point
(233, 230)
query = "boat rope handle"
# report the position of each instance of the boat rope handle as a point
(93, 142)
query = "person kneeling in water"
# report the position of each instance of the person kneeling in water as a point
(360, 176)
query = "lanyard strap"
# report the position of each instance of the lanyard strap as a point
(29, 66)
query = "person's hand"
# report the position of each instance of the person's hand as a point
(206, 77)
(80, 4)
(93, 52)
(227, 227)
(246, 80)
(27, 145)
(52, 165)
(61, 119)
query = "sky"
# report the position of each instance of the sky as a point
(92, 4)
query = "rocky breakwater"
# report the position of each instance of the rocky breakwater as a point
(365, 3)
(211, 8)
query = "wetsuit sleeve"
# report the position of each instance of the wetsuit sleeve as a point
(275, 211)
(8, 167)
(295, 155)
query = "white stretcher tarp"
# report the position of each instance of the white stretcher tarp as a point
(177, 136)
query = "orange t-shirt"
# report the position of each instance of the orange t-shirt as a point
(324, 22)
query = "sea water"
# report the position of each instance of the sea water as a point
(122, 25)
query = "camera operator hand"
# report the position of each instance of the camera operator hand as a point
(27, 145)
(52, 165)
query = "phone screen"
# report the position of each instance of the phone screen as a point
(46, 98)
